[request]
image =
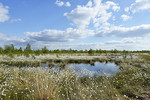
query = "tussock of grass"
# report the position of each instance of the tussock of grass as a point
(131, 81)
(43, 84)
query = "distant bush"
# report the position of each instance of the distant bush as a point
(90, 52)
(26, 54)
(11, 55)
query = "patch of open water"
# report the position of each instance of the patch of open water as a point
(98, 69)
(88, 70)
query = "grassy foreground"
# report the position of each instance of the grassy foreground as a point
(131, 82)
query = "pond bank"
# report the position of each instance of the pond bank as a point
(36, 61)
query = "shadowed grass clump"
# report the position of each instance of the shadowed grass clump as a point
(27, 84)
(42, 84)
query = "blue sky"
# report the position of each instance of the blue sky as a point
(76, 24)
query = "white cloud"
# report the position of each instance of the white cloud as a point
(125, 17)
(8, 39)
(52, 38)
(15, 20)
(115, 6)
(47, 37)
(89, 4)
(67, 4)
(134, 31)
(131, 43)
(80, 16)
(123, 41)
(139, 5)
(126, 43)
(4, 13)
(59, 3)
(127, 9)
(69, 34)
(94, 12)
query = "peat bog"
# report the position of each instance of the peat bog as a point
(49, 77)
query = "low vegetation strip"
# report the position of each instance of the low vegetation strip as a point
(36, 61)
(10, 50)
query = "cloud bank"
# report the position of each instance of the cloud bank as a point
(134, 31)
(69, 34)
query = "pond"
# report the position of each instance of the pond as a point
(98, 69)
(88, 70)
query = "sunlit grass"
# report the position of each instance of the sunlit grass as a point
(37, 83)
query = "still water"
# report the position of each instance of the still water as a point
(98, 69)
(88, 70)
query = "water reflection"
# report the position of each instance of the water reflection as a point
(88, 70)
(98, 69)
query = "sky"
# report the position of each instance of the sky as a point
(76, 24)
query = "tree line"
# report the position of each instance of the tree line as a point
(11, 50)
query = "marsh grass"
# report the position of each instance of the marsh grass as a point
(30, 83)
(43, 84)
(37, 83)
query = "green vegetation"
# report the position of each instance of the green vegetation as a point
(10, 49)
(91, 52)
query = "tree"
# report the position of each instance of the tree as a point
(115, 51)
(28, 48)
(45, 50)
(7, 49)
(20, 50)
(12, 48)
(90, 52)
(38, 52)
(57, 51)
